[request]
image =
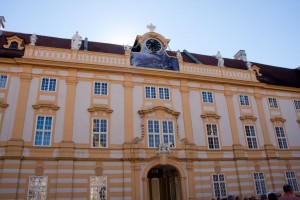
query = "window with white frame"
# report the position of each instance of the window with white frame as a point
(48, 84)
(164, 93)
(260, 185)
(251, 137)
(99, 138)
(212, 136)
(43, 130)
(37, 187)
(219, 185)
(100, 88)
(154, 133)
(273, 103)
(98, 188)
(282, 143)
(3, 80)
(150, 92)
(292, 180)
(297, 104)
(244, 100)
(207, 97)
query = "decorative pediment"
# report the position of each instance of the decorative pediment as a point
(45, 105)
(248, 117)
(14, 42)
(210, 115)
(168, 110)
(256, 69)
(103, 108)
(277, 119)
(140, 38)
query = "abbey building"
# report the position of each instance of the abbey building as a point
(89, 120)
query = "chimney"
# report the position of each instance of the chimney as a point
(2, 20)
(241, 55)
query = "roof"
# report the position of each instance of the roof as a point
(270, 74)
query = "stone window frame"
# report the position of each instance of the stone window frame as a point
(100, 133)
(206, 98)
(259, 183)
(161, 132)
(251, 137)
(43, 130)
(221, 185)
(102, 89)
(212, 136)
(45, 87)
(292, 180)
(101, 183)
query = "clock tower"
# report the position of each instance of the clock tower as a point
(149, 50)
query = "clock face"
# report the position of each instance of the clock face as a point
(153, 45)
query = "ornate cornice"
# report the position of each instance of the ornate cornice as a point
(168, 110)
(96, 108)
(248, 117)
(277, 119)
(210, 114)
(3, 105)
(45, 105)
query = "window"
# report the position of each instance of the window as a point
(154, 133)
(273, 102)
(219, 185)
(164, 93)
(244, 100)
(100, 88)
(48, 84)
(98, 186)
(150, 92)
(99, 133)
(251, 137)
(3, 81)
(292, 180)
(297, 104)
(13, 45)
(281, 138)
(43, 131)
(37, 187)
(168, 132)
(260, 185)
(212, 136)
(207, 97)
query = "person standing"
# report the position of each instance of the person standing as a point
(288, 193)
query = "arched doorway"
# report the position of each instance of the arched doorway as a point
(164, 183)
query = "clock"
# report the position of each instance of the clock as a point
(153, 45)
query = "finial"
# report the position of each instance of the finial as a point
(151, 27)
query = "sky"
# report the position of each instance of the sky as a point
(268, 30)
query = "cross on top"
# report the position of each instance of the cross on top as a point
(151, 27)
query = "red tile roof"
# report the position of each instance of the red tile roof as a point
(270, 74)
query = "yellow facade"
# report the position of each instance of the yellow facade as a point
(125, 156)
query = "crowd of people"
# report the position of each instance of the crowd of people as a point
(288, 195)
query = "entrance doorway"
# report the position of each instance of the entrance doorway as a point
(164, 183)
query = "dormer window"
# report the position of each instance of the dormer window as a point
(14, 42)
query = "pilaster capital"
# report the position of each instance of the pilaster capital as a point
(128, 84)
(258, 96)
(228, 93)
(25, 77)
(71, 80)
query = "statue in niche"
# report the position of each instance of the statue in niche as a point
(220, 59)
(76, 41)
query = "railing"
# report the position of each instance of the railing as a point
(220, 72)
(68, 55)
